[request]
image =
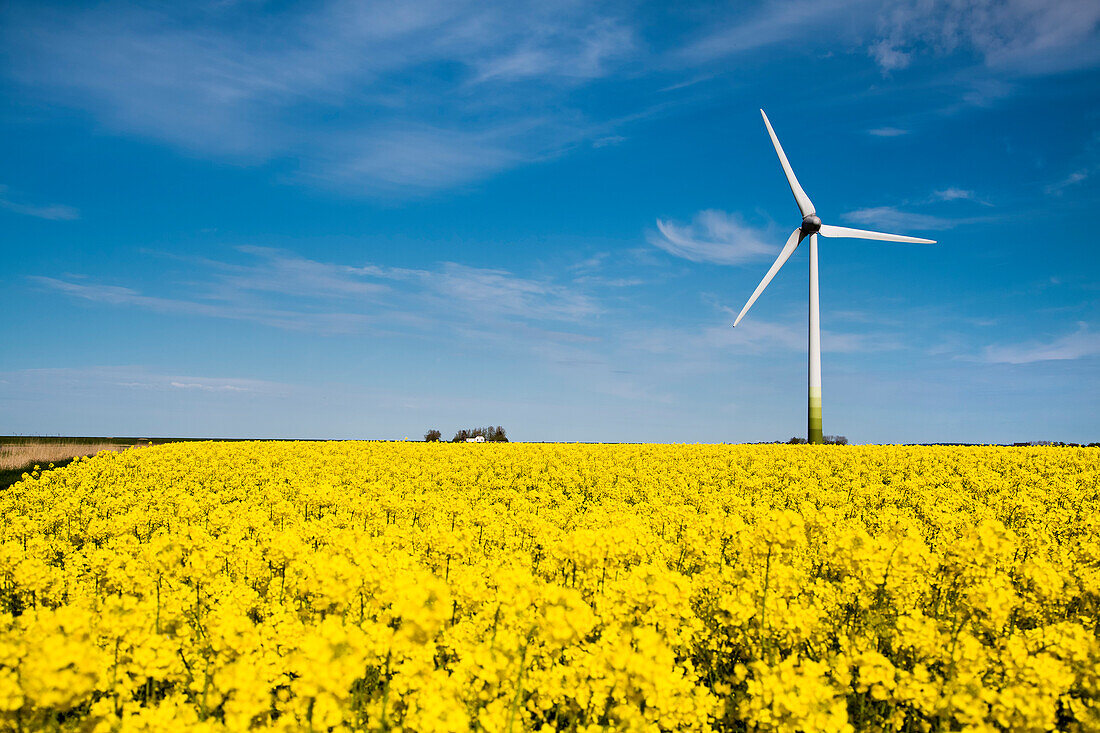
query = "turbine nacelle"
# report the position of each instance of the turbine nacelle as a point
(811, 225)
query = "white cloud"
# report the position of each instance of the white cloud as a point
(284, 290)
(775, 23)
(378, 98)
(1086, 165)
(563, 51)
(409, 159)
(207, 387)
(52, 212)
(889, 217)
(713, 236)
(754, 336)
(1072, 179)
(1080, 344)
(610, 140)
(888, 57)
(406, 98)
(1020, 36)
(1015, 37)
(285, 273)
(887, 132)
(238, 310)
(953, 194)
(492, 292)
(99, 378)
(611, 282)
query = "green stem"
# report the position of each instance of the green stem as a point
(764, 599)
(386, 691)
(519, 686)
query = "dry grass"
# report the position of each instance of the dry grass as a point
(29, 454)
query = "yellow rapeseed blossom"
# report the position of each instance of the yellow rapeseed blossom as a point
(435, 587)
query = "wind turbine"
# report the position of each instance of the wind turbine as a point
(810, 228)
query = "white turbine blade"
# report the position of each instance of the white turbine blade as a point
(788, 249)
(829, 230)
(804, 204)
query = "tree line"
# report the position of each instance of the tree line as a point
(828, 439)
(490, 433)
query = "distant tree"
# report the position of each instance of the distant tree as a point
(432, 436)
(835, 440)
(796, 441)
(461, 435)
(497, 435)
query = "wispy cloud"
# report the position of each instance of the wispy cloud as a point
(1085, 165)
(887, 132)
(713, 236)
(754, 336)
(373, 99)
(207, 387)
(901, 220)
(953, 194)
(404, 99)
(774, 23)
(991, 43)
(53, 212)
(285, 318)
(282, 272)
(284, 290)
(888, 56)
(1072, 179)
(500, 293)
(763, 335)
(411, 159)
(604, 142)
(129, 378)
(1080, 344)
(561, 50)
(890, 217)
(1020, 36)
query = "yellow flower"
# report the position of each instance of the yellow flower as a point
(354, 586)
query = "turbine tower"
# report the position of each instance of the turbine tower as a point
(810, 228)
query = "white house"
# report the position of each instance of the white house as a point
(478, 439)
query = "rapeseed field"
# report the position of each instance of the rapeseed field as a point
(437, 587)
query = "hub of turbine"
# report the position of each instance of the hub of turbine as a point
(811, 224)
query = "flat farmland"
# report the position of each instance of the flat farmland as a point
(507, 587)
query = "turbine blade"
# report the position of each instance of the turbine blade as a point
(804, 204)
(788, 249)
(829, 230)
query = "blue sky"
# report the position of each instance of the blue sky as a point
(348, 220)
